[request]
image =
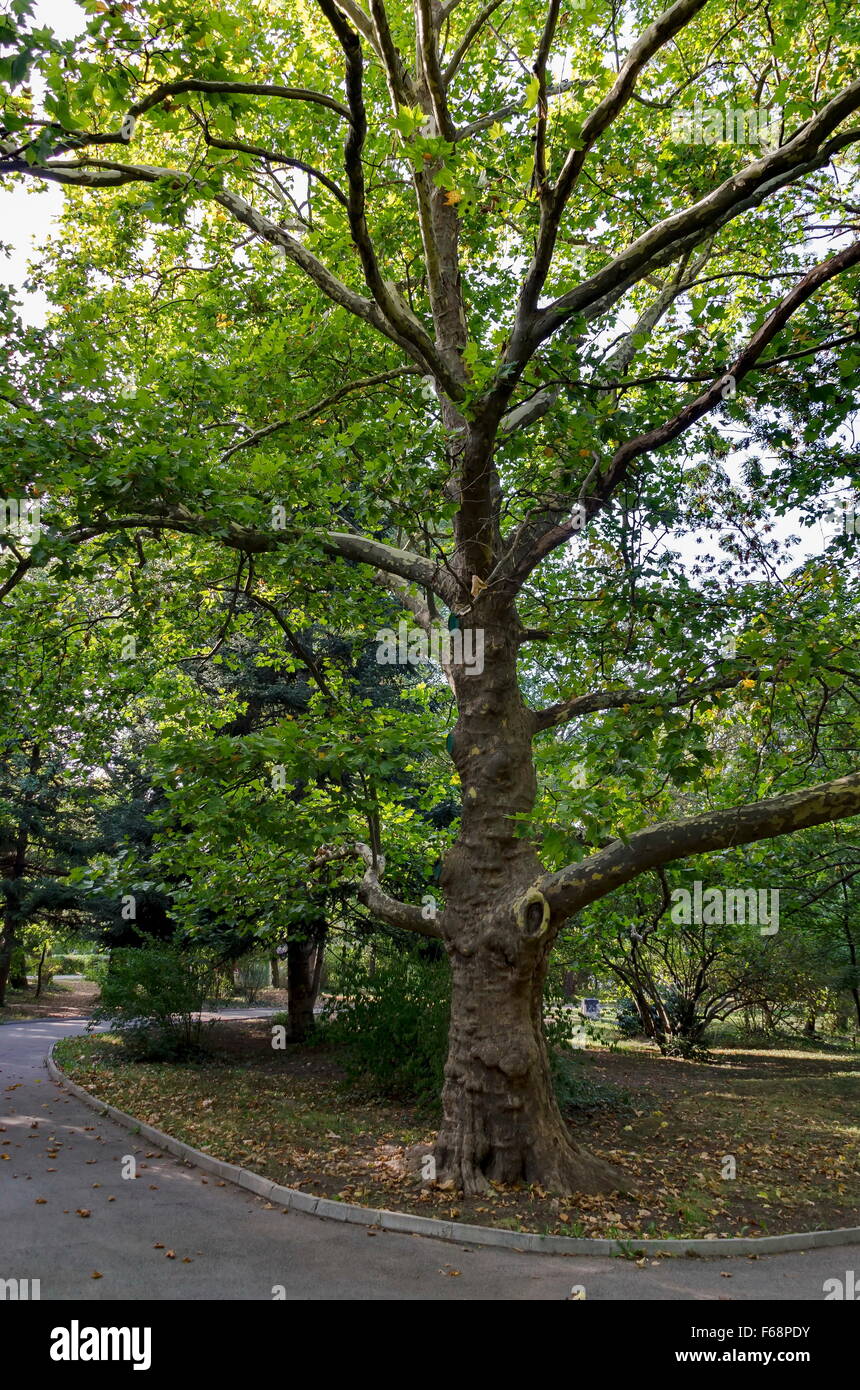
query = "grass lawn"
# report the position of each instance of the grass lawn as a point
(789, 1118)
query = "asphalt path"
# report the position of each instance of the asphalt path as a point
(172, 1233)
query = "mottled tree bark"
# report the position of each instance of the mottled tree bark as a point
(501, 1121)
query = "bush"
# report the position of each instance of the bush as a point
(392, 1025)
(152, 996)
(252, 975)
(18, 969)
(576, 1090)
(629, 1024)
(75, 963)
(627, 1019)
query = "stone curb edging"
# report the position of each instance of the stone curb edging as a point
(407, 1224)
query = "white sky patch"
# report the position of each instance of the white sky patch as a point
(27, 211)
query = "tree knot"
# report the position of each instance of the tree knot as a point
(531, 912)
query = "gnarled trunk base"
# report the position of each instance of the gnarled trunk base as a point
(501, 1120)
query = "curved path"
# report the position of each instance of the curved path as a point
(61, 1158)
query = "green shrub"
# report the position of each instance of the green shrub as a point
(252, 975)
(576, 1090)
(152, 996)
(77, 963)
(18, 969)
(391, 1025)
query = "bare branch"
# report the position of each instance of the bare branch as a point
(274, 157)
(390, 910)
(314, 410)
(533, 539)
(578, 705)
(512, 108)
(474, 29)
(432, 72)
(253, 89)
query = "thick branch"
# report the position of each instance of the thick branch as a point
(360, 549)
(390, 910)
(655, 37)
(534, 539)
(362, 23)
(677, 233)
(544, 47)
(384, 292)
(400, 85)
(580, 884)
(432, 73)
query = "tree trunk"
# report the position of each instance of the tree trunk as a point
(501, 1121)
(14, 851)
(40, 969)
(7, 946)
(275, 966)
(852, 950)
(303, 980)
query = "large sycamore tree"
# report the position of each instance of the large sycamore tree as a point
(494, 314)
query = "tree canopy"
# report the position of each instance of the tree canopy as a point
(463, 312)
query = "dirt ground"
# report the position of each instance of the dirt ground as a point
(764, 1142)
(63, 999)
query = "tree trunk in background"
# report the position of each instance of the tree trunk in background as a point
(852, 953)
(7, 946)
(13, 862)
(40, 969)
(303, 973)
